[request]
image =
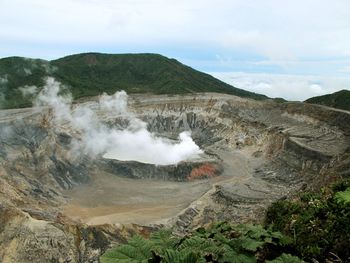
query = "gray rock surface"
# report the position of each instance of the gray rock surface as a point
(263, 151)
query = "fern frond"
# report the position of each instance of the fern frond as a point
(234, 257)
(286, 258)
(165, 239)
(343, 197)
(137, 250)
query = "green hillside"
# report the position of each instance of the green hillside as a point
(339, 99)
(90, 74)
(18, 72)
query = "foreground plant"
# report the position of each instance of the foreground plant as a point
(318, 223)
(220, 243)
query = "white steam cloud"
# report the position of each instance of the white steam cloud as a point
(133, 143)
(28, 90)
(60, 104)
(3, 80)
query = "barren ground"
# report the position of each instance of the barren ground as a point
(112, 199)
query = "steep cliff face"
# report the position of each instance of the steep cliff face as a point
(62, 207)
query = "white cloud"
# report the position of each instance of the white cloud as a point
(77, 21)
(291, 87)
(345, 69)
(263, 43)
(272, 28)
(299, 37)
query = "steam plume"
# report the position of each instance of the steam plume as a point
(133, 143)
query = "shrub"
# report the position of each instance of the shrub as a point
(318, 223)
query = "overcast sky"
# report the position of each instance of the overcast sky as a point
(292, 49)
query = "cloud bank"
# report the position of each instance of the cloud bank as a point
(290, 87)
(287, 37)
(133, 143)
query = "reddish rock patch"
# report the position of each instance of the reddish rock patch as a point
(204, 171)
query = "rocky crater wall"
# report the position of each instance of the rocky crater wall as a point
(262, 151)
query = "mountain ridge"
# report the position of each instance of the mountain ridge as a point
(339, 99)
(90, 74)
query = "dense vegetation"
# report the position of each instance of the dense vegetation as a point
(91, 74)
(318, 223)
(220, 243)
(339, 99)
(16, 72)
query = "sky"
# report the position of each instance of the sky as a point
(291, 49)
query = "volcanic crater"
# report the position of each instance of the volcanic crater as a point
(254, 152)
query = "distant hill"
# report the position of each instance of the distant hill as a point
(339, 99)
(90, 74)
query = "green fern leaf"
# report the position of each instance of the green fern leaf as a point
(171, 256)
(137, 250)
(256, 231)
(164, 239)
(286, 258)
(250, 244)
(343, 197)
(221, 238)
(234, 257)
(191, 258)
(196, 243)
